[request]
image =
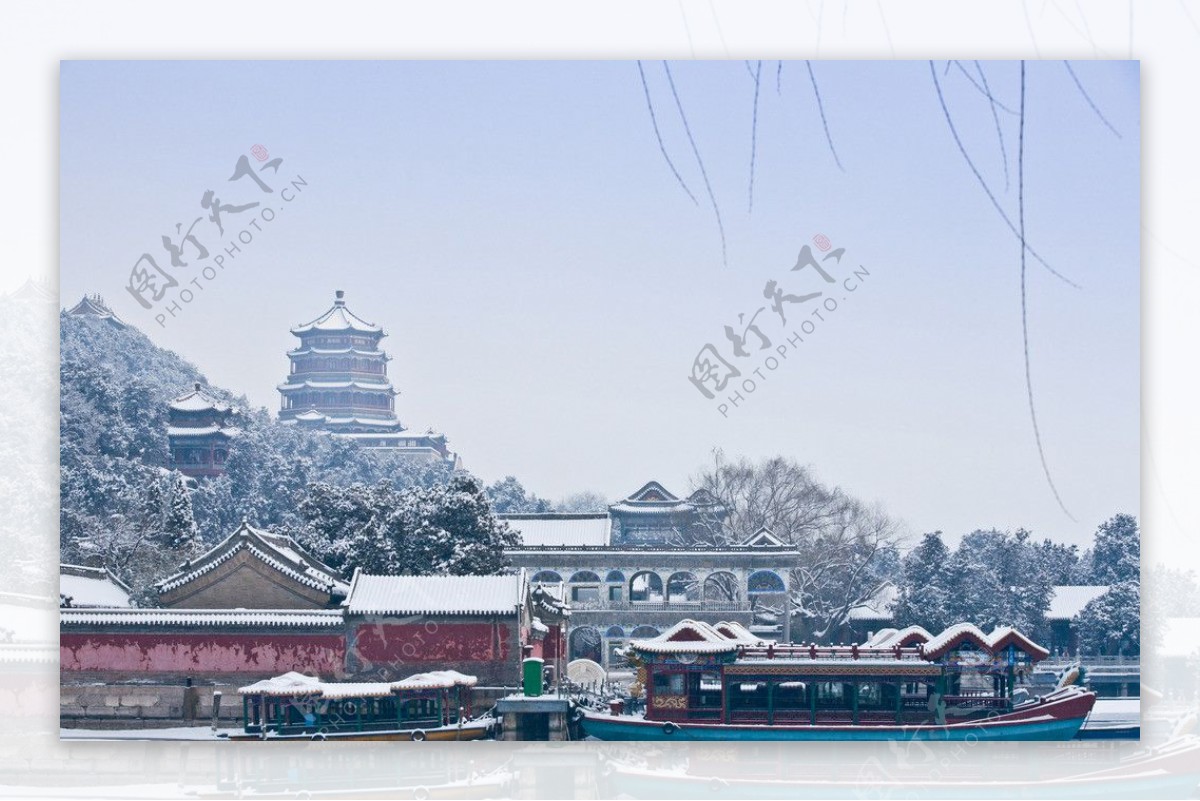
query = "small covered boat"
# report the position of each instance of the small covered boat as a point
(427, 706)
(720, 682)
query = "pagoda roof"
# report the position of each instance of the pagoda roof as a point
(338, 318)
(346, 351)
(654, 498)
(275, 550)
(94, 306)
(198, 400)
(200, 431)
(308, 383)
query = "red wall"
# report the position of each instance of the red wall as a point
(186, 652)
(434, 641)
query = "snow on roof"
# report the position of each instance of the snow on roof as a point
(560, 529)
(1069, 600)
(297, 684)
(763, 537)
(688, 637)
(451, 595)
(198, 400)
(201, 617)
(886, 638)
(276, 550)
(311, 414)
(93, 306)
(199, 431)
(338, 318)
(879, 606)
(309, 383)
(999, 638)
(349, 350)
(736, 631)
(90, 587)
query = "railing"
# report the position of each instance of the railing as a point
(660, 606)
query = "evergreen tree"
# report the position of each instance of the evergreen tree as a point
(1116, 556)
(925, 597)
(1111, 624)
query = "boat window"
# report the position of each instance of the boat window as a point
(831, 693)
(668, 683)
(704, 690)
(870, 695)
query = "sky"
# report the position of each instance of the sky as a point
(547, 282)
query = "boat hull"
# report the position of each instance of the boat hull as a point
(1058, 717)
(468, 731)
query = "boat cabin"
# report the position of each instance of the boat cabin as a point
(701, 673)
(296, 704)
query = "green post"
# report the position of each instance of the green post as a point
(854, 703)
(899, 702)
(812, 702)
(770, 702)
(531, 672)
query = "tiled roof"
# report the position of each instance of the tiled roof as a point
(560, 529)
(688, 637)
(998, 639)
(1069, 600)
(80, 586)
(276, 550)
(450, 595)
(297, 684)
(338, 318)
(201, 617)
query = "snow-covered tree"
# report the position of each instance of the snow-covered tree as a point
(850, 548)
(444, 529)
(1111, 624)
(1116, 555)
(583, 503)
(926, 596)
(508, 496)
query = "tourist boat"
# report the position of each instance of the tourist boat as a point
(427, 706)
(706, 682)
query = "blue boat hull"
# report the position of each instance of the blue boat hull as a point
(607, 727)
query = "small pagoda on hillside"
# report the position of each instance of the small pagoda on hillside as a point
(339, 383)
(198, 433)
(94, 306)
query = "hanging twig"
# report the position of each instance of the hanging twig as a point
(978, 177)
(824, 122)
(658, 136)
(1037, 435)
(699, 161)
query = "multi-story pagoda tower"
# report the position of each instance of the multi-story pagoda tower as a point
(339, 383)
(198, 434)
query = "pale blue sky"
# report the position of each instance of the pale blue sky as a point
(546, 283)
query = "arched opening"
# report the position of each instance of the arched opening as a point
(585, 577)
(645, 587)
(615, 577)
(585, 587)
(546, 577)
(764, 582)
(643, 633)
(722, 587)
(682, 587)
(614, 631)
(585, 644)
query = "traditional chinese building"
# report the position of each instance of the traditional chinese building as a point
(339, 383)
(94, 306)
(648, 563)
(156, 665)
(199, 430)
(83, 587)
(253, 569)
